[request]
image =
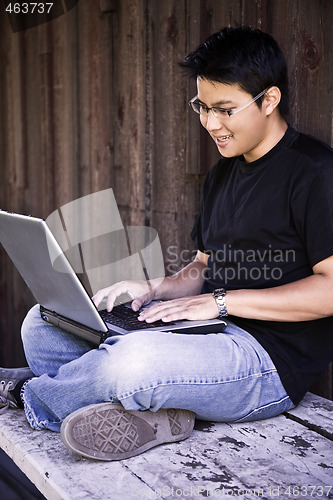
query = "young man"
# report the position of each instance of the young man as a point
(265, 245)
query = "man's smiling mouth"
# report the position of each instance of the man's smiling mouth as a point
(223, 138)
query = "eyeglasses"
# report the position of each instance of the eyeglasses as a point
(220, 113)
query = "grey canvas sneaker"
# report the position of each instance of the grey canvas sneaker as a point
(9, 379)
(107, 431)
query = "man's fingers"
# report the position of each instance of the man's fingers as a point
(98, 297)
(157, 312)
(136, 290)
(137, 304)
(190, 308)
(110, 293)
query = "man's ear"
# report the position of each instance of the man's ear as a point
(271, 99)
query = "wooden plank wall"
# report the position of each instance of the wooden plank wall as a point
(94, 99)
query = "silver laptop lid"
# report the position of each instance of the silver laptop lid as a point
(32, 248)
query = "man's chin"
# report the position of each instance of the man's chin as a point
(225, 153)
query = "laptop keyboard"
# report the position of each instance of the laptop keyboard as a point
(124, 317)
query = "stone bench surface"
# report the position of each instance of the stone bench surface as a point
(289, 456)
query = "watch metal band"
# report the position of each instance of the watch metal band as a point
(219, 295)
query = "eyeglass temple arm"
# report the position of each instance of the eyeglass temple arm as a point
(234, 111)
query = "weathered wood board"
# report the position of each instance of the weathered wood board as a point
(271, 458)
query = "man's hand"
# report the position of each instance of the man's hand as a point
(142, 293)
(199, 307)
(186, 283)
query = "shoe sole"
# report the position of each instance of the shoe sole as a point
(107, 431)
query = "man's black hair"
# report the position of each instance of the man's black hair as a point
(247, 57)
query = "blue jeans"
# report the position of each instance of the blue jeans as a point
(223, 377)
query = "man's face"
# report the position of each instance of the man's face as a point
(244, 133)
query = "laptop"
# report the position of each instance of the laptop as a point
(63, 299)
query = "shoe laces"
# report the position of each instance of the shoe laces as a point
(5, 401)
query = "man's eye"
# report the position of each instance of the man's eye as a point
(203, 108)
(221, 111)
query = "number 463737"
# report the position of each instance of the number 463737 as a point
(29, 8)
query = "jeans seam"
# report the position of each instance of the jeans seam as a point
(264, 407)
(193, 382)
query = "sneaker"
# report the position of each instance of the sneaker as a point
(107, 431)
(9, 378)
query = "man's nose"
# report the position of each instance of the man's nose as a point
(210, 122)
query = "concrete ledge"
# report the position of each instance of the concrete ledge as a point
(289, 456)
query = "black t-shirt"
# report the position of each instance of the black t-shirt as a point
(265, 224)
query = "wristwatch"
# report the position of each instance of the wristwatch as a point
(219, 295)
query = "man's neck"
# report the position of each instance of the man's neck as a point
(275, 131)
